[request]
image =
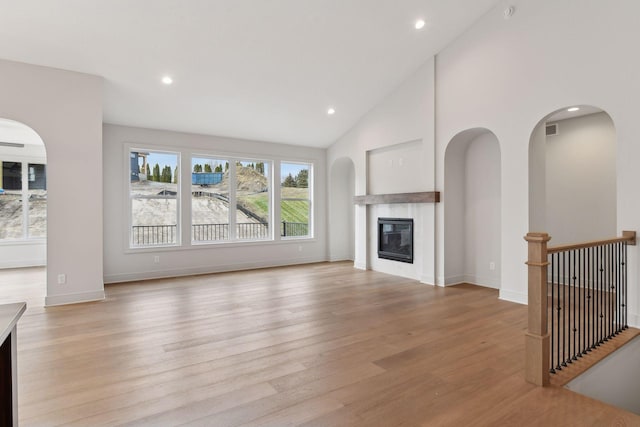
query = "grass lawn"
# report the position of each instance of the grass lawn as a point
(291, 210)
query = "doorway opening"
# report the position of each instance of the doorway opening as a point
(23, 213)
(572, 176)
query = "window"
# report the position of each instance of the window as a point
(23, 200)
(295, 199)
(209, 199)
(154, 198)
(252, 199)
(37, 196)
(230, 199)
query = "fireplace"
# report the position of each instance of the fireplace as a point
(395, 239)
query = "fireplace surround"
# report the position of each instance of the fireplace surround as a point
(395, 239)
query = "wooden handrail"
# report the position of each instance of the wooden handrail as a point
(537, 354)
(627, 236)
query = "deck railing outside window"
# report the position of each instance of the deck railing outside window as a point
(147, 235)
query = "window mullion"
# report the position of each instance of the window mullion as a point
(25, 200)
(232, 200)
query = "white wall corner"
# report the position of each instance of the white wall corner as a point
(76, 298)
(428, 280)
(360, 265)
(339, 257)
(453, 280)
(512, 296)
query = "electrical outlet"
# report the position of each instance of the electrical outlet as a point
(156, 259)
(62, 279)
(492, 265)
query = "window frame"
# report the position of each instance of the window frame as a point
(310, 185)
(25, 161)
(233, 159)
(148, 148)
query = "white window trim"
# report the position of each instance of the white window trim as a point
(233, 159)
(24, 162)
(311, 226)
(128, 239)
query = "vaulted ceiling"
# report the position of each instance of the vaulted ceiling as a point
(257, 69)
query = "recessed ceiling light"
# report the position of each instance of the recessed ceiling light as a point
(167, 80)
(331, 111)
(420, 24)
(572, 109)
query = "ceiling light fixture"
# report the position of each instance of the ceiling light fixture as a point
(331, 111)
(572, 109)
(167, 80)
(420, 24)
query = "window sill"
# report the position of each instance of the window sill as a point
(220, 245)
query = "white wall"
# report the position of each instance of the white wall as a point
(453, 205)
(472, 223)
(405, 115)
(615, 379)
(65, 109)
(581, 180)
(506, 75)
(122, 263)
(538, 179)
(393, 169)
(482, 224)
(342, 215)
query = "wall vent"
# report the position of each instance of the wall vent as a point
(551, 129)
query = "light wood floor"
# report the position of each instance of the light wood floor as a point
(314, 345)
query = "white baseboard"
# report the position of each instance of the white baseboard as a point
(340, 258)
(192, 271)
(23, 263)
(453, 280)
(360, 265)
(428, 280)
(633, 320)
(511, 296)
(50, 301)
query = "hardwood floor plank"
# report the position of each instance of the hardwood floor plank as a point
(315, 345)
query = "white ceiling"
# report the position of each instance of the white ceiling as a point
(256, 69)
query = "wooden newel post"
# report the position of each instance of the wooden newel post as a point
(537, 338)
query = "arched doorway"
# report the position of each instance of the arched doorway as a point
(472, 209)
(23, 213)
(342, 213)
(572, 175)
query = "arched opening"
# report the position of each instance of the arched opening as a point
(23, 213)
(472, 209)
(342, 212)
(572, 175)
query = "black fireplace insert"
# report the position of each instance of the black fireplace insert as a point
(395, 239)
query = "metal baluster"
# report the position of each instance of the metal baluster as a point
(624, 307)
(599, 319)
(564, 309)
(558, 309)
(552, 306)
(611, 273)
(575, 306)
(591, 297)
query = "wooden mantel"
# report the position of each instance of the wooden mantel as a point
(376, 199)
